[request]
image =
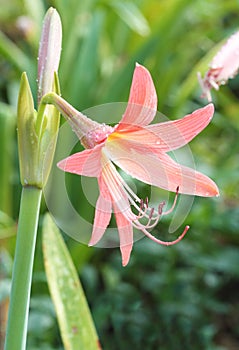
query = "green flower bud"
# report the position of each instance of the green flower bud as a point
(37, 130)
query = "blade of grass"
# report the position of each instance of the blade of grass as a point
(7, 134)
(74, 318)
(81, 87)
(14, 54)
(132, 16)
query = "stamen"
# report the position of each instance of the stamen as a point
(174, 202)
(142, 208)
(160, 207)
(151, 213)
(153, 219)
(141, 204)
(125, 197)
(156, 240)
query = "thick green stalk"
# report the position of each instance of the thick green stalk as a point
(22, 269)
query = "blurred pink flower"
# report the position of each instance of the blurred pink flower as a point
(223, 66)
(141, 151)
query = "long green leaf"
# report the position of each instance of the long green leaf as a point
(14, 54)
(74, 318)
(132, 16)
(7, 135)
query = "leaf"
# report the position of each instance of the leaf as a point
(8, 226)
(73, 314)
(85, 65)
(13, 54)
(132, 16)
(7, 151)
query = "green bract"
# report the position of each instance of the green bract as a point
(37, 135)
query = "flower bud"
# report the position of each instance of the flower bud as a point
(49, 52)
(37, 130)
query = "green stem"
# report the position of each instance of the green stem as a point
(22, 269)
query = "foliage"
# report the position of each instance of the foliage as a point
(186, 294)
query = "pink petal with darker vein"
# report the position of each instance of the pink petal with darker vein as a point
(166, 136)
(177, 133)
(160, 170)
(227, 59)
(87, 162)
(103, 212)
(142, 104)
(126, 236)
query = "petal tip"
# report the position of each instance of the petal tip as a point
(211, 108)
(61, 164)
(93, 241)
(214, 191)
(125, 253)
(125, 261)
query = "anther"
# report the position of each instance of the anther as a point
(160, 207)
(151, 213)
(141, 206)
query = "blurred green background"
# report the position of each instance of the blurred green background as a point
(182, 297)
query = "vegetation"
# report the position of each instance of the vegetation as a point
(180, 297)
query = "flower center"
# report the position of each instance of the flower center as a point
(97, 136)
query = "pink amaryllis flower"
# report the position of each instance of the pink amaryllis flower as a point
(224, 66)
(140, 150)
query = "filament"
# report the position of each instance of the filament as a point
(124, 197)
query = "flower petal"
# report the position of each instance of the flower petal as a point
(87, 162)
(126, 235)
(121, 207)
(142, 104)
(226, 60)
(160, 170)
(103, 212)
(165, 136)
(115, 186)
(223, 66)
(177, 133)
